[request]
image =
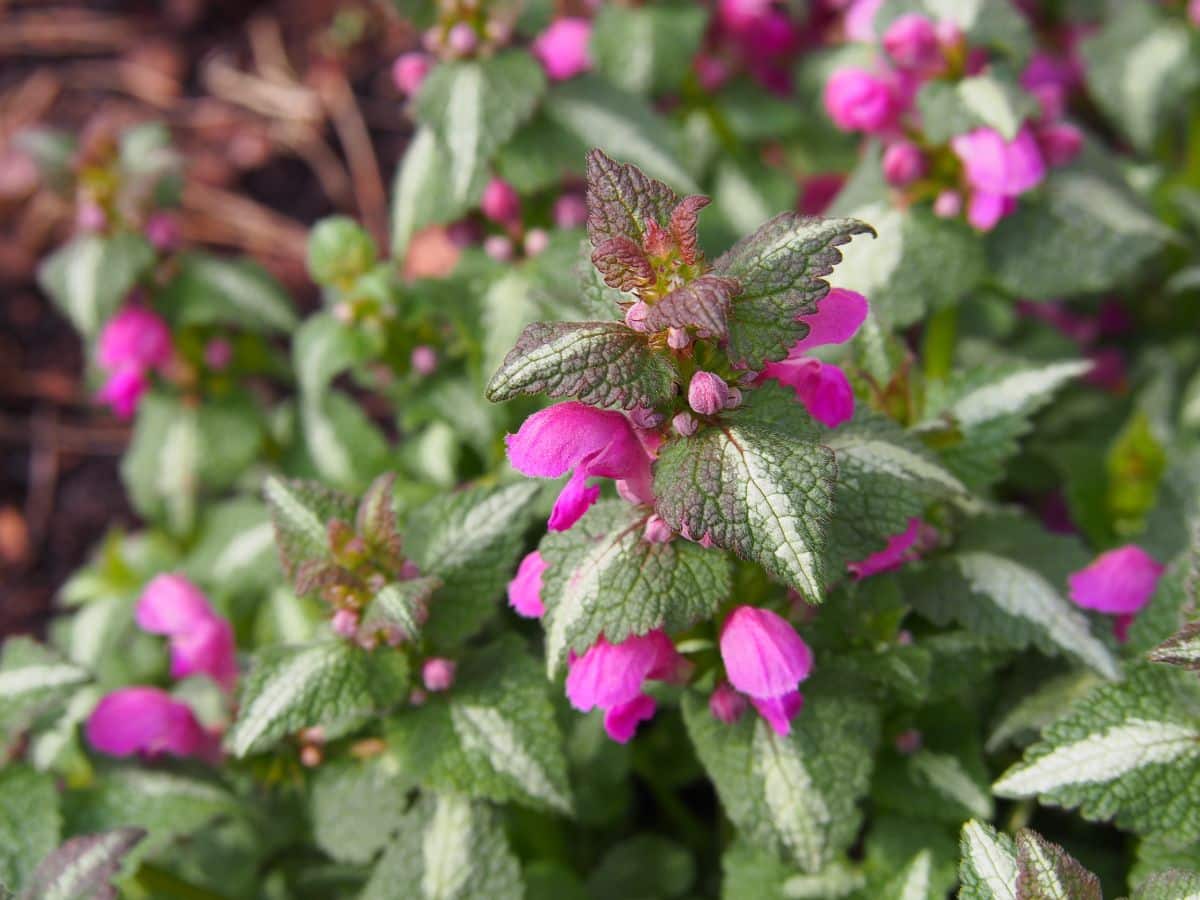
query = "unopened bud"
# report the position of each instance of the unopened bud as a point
(310, 756)
(417, 697)
(908, 741)
(903, 163)
(500, 202)
(438, 674)
(948, 204)
(678, 338)
(635, 316)
(162, 231)
(424, 360)
(657, 531)
(409, 71)
(345, 623)
(644, 417)
(536, 240)
(734, 400)
(90, 216)
(726, 704)
(685, 424)
(218, 353)
(462, 39)
(570, 211)
(707, 393)
(498, 247)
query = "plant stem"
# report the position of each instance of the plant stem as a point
(937, 345)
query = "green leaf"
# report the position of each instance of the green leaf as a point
(1008, 601)
(401, 605)
(914, 881)
(797, 795)
(301, 512)
(988, 870)
(781, 268)
(235, 549)
(509, 305)
(751, 490)
(474, 106)
(1047, 871)
(1169, 885)
(603, 577)
(647, 49)
(339, 250)
(644, 867)
(448, 848)
(603, 116)
(33, 679)
(356, 807)
(602, 364)
(946, 775)
(1128, 751)
(421, 191)
(538, 155)
(952, 108)
(1141, 67)
(621, 199)
(470, 540)
(211, 290)
(333, 684)
(347, 448)
(83, 867)
(702, 305)
(492, 736)
(29, 822)
(1039, 708)
(323, 348)
(1078, 234)
(88, 277)
(1183, 649)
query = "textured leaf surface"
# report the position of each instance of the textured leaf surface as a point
(1172, 884)
(399, 605)
(781, 268)
(301, 511)
(448, 848)
(797, 795)
(603, 577)
(88, 277)
(988, 869)
(644, 49)
(702, 305)
(753, 491)
(1045, 870)
(621, 199)
(356, 806)
(602, 364)
(32, 679)
(29, 823)
(1183, 649)
(1127, 751)
(235, 548)
(82, 867)
(212, 290)
(492, 737)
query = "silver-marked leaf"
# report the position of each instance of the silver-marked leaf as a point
(356, 806)
(602, 364)
(1008, 601)
(1128, 751)
(702, 305)
(1038, 708)
(752, 490)
(88, 277)
(82, 868)
(781, 268)
(301, 512)
(235, 549)
(474, 106)
(622, 263)
(212, 290)
(1171, 884)
(645, 49)
(492, 736)
(347, 448)
(1046, 871)
(797, 795)
(29, 822)
(988, 867)
(1182, 649)
(447, 848)
(946, 775)
(914, 882)
(952, 108)
(603, 577)
(421, 190)
(33, 679)
(621, 199)
(401, 605)
(323, 348)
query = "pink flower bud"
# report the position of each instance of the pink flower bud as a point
(1060, 143)
(417, 697)
(500, 202)
(657, 531)
(726, 704)
(646, 418)
(678, 338)
(947, 204)
(1193, 11)
(563, 50)
(409, 71)
(345, 623)
(163, 232)
(734, 400)
(707, 393)
(536, 240)
(908, 742)
(498, 247)
(437, 674)
(218, 354)
(525, 590)
(949, 35)
(903, 163)
(570, 211)
(424, 359)
(311, 756)
(90, 217)
(635, 316)
(685, 424)
(857, 100)
(912, 42)
(711, 71)
(462, 39)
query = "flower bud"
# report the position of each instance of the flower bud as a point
(536, 240)
(635, 316)
(462, 39)
(563, 48)
(726, 704)
(685, 424)
(310, 756)
(500, 202)
(657, 531)
(644, 417)
(948, 204)
(345, 623)
(437, 674)
(1060, 143)
(90, 216)
(734, 400)
(903, 163)
(707, 393)
(409, 71)
(498, 247)
(912, 42)
(417, 697)
(218, 354)
(678, 338)
(570, 211)
(858, 100)
(424, 360)
(908, 742)
(162, 231)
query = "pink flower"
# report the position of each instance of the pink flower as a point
(218, 354)
(859, 23)
(1050, 80)
(857, 100)
(163, 231)
(201, 641)
(437, 673)
(148, 722)
(562, 48)
(1193, 11)
(912, 43)
(423, 359)
(707, 393)
(135, 337)
(819, 191)
(573, 437)
(997, 171)
(610, 677)
(525, 590)
(822, 387)
(903, 163)
(897, 552)
(947, 204)
(765, 659)
(462, 39)
(1059, 142)
(123, 391)
(500, 202)
(498, 247)
(409, 71)
(536, 240)
(1119, 582)
(738, 15)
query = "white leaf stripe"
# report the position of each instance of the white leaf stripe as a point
(28, 679)
(1010, 394)
(799, 812)
(894, 460)
(917, 878)
(484, 730)
(995, 865)
(464, 128)
(299, 517)
(445, 849)
(1102, 757)
(245, 548)
(1148, 66)
(82, 277)
(946, 775)
(1044, 869)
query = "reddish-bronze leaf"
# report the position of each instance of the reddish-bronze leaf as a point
(683, 225)
(623, 264)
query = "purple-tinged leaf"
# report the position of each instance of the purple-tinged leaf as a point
(683, 225)
(376, 517)
(83, 867)
(300, 511)
(1046, 870)
(623, 264)
(621, 199)
(1181, 649)
(702, 304)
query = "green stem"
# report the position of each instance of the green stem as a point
(160, 883)
(937, 346)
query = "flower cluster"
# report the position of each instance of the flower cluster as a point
(134, 344)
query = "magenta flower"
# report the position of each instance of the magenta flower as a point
(903, 163)
(912, 43)
(500, 202)
(739, 15)
(146, 721)
(437, 674)
(765, 659)
(858, 100)
(163, 231)
(997, 171)
(610, 677)
(409, 71)
(1119, 582)
(123, 391)
(134, 342)
(202, 642)
(898, 551)
(859, 23)
(570, 211)
(562, 49)
(573, 437)
(525, 590)
(1060, 142)
(823, 387)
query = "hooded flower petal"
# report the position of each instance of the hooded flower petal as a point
(123, 390)
(525, 590)
(621, 722)
(562, 49)
(763, 655)
(894, 555)
(996, 166)
(779, 711)
(145, 721)
(135, 337)
(1120, 581)
(170, 604)
(202, 643)
(609, 675)
(208, 648)
(837, 319)
(823, 388)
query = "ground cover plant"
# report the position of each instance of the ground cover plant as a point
(789, 489)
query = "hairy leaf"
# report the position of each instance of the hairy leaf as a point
(1045, 870)
(32, 680)
(29, 823)
(621, 199)
(622, 263)
(301, 511)
(211, 290)
(988, 870)
(356, 806)
(82, 868)
(88, 277)
(1181, 650)
(702, 305)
